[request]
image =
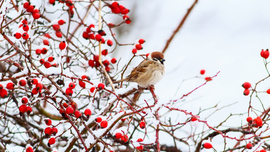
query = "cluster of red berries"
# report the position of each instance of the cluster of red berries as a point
(207, 78)
(25, 27)
(25, 107)
(31, 9)
(265, 53)
(246, 86)
(38, 88)
(116, 8)
(69, 3)
(69, 90)
(121, 136)
(50, 130)
(138, 46)
(102, 123)
(95, 61)
(256, 122)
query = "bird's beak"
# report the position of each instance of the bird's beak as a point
(162, 60)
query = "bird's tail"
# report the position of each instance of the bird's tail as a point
(120, 80)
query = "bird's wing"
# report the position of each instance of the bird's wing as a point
(141, 68)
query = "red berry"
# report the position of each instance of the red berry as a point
(52, 2)
(56, 27)
(139, 140)
(265, 54)
(262, 150)
(44, 51)
(107, 68)
(208, 78)
(104, 52)
(91, 26)
(142, 124)
(134, 51)
(47, 35)
(98, 37)
(114, 4)
(128, 21)
(118, 135)
(24, 100)
(47, 65)
(77, 114)
(54, 130)
(101, 32)
(35, 11)
(35, 91)
(91, 63)
(268, 91)
(25, 36)
(141, 41)
(125, 11)
(50, 59)
(249, 146)
(106, 62)
(3, 93)
(51, 141)
(48, 131)
(92, 89)
(115, 10)
(109, 42)
(22, 108)
(124, 138)
(29, 149)
(22, 82)
(69, 91)
(48, 122)
(34, 81)
(28, 110)
(1, 86)
(71, 85)
(91, 36)
(30, 8)
(62, 45)
(36, 15)
(246, 92)
(101, 86)
(207, 145)
(96, 58)
(195, 118)
(26, 5)
(125, 17)
(87, 112)
(85, 35)
(258, 122)
(202, 72)
(58, 34)
(82, 84)
(98, 119)
(69, 110)
(10, 86)
(246, 85)
(45, 42)
(139, 147)
(85, 77)
(17, 35)
(61, 22)
(104, 124)
(138, 46)
(110, 25)
(249, 119)
(39, 86)
(113, 60)
(38, 51)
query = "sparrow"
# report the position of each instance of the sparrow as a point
(148, 72)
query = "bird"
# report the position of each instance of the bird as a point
(149, 72)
